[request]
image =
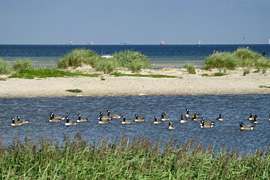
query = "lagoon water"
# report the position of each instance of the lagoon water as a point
(159, 55)
(234, 109)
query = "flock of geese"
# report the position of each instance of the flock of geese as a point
(105, 120)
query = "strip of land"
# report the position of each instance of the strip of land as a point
(201, 83)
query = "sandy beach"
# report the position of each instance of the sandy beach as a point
(187, 84)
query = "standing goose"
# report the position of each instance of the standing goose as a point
(220, 118)
(156, 121)
(101, 121)
(190, 115)
(103, 118)
(57, 117)
(182, 120)
(80, 119)
(126, 121)
(255, 121)
(207, 124)
(17, 123)
(113, 116)
(22, 121)
(244, 128)
(70, 123)
(137, 119)
(195, 118)
(170, 126)
(163, 118)
(251, 118)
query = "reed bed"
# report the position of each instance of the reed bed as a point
(126, 158)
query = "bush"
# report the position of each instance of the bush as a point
(77, 58)
(20, 64)
(5, 67)
(190, 68)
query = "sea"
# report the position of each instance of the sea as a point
(224, 135)
(160, 56)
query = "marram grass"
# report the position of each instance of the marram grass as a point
(127, 158)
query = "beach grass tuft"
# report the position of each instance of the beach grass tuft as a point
(22, 64)
(126, 158)
(190, 68)
(144, 75)
(242, 57)
(5, 67)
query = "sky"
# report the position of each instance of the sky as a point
(134, 21)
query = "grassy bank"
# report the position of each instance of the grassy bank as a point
(137, 158)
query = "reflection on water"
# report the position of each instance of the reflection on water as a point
(234, 108)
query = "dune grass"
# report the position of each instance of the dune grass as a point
(126, 158)
(191, 68)
(22, 64)
(242, 57)
(5, 67)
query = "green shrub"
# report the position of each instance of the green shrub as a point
(20, 64)
(245, 72)
(5, 67)
(77, 58)
(190, 68)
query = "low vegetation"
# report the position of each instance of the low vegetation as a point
(125, 158)
(143, 75)
(74, 90)
(242, 57)
(131, 60)
(22, 64)
(5, 67)
(191, 68)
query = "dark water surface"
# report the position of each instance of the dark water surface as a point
(234, 108)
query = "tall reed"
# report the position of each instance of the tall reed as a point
(126, 158)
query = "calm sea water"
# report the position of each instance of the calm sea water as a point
(234, 108)
(160, 56)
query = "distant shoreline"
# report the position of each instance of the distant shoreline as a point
(187, 84)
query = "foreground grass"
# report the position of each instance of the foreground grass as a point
(45, 73)
(143, 75)
(126, 158)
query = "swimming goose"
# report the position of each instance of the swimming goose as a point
(182, 120)
(190, 115)
(220, 118)
(243, 128)
(80, 119)
(57, 117)
(113, 116)
(54, 120)
(170, 126)
(104, 118)
(156, 121)
(22, 121)
(255, 121)
(102, 121)
(137, 119)
(163, 118)
(15, 123)
(207, 124)
(195, 118)
(251, 118)
(126, 121)
(70, 123)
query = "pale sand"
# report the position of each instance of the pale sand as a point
(188, 84)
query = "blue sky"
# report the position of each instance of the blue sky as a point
(134, 21)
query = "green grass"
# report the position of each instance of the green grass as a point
(22, 64)
(126, 158)
(242, 57)
(74, 90)
(191, 68)
(263, 86)
(219, 74)
(45, 73)
(5, 67)
(142, 75)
